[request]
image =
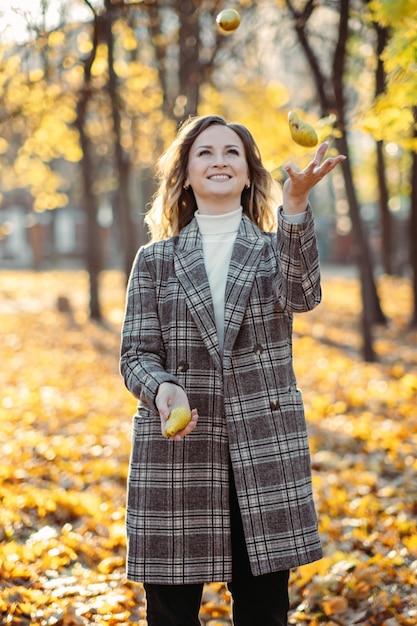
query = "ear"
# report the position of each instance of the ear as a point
(186, 184)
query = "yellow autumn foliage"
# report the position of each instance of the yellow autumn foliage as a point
(65, 427)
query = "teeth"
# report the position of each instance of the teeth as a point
(219, 177)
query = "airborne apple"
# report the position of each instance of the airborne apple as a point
(301, 131)
(228, 20)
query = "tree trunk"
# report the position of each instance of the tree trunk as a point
(362, 256)
(386, 218)
(371, 306)
(122, 197)
(413, 225)
(181, 88)
(190, 68)
(331, 98)
(93, 252)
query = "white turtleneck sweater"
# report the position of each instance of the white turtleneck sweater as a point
(218, 234)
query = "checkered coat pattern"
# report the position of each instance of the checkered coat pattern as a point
(250, 409)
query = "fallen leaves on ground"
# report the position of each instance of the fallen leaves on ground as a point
(65, 422)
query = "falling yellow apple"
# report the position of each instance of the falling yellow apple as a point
(228, 20)
(301, 131)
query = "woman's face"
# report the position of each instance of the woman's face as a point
(217, 170)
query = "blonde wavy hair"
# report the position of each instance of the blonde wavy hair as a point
(173, 207)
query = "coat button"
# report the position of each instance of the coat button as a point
(274, 405)
(182, 366)
(258, 349)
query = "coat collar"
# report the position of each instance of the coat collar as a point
(243, 268)
(191, 273)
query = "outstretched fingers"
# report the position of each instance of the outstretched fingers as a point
(319, 169)
(321, 151)
(299, 183)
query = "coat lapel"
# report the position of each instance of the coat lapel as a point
(242, 271)
(191, 273)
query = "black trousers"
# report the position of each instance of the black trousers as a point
(257, 600)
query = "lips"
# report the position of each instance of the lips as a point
(219, 177)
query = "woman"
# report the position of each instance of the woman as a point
(209, 326)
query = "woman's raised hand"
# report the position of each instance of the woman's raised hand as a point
(299, 184)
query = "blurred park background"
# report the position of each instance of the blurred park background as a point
(91, 92)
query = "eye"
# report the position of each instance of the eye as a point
(203, 152)
(233, 151)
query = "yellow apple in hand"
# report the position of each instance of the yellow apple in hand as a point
(178, 419)
(228, 20)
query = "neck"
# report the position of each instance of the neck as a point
(217, 208)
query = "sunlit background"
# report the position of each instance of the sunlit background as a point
(77, 153)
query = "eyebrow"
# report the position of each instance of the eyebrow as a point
(230, 145)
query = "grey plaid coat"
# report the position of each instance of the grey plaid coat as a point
(249, 406)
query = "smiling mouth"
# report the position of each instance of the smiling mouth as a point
(220, 177)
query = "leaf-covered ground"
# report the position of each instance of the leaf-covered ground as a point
(65, 439)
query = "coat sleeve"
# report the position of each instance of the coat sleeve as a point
(142, 358)
(297, 247)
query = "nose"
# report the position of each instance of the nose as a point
(219, 159)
